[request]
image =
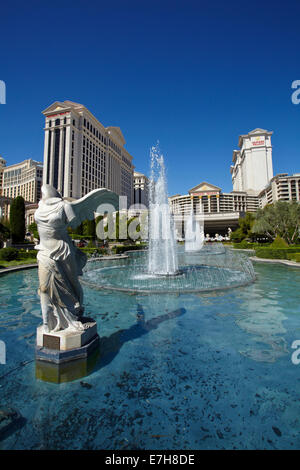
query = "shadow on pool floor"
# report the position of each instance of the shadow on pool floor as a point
(110, 346)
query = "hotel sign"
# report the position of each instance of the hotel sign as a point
(258, 141)
(206, 193)
(56, 114)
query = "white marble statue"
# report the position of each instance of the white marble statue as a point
(59, 261)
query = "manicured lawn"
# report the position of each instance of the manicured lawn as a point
(16, 262)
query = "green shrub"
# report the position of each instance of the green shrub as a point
(237, 236)
(279, 243)
(32, 228)
(4, 231)
(8, 254)
(102, 251)
(275, 253)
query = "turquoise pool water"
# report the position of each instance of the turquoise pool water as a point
(193, 371)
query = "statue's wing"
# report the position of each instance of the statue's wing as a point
(98, 200)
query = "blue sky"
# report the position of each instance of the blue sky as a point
(192, 74)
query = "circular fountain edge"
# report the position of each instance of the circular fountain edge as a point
(167, 291)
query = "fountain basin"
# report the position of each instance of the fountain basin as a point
(204, 272)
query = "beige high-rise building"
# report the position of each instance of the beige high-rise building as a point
(80, 154)
(2, 167)
(23, 179)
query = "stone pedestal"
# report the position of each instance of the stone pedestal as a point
(67, 345)
(66, 371)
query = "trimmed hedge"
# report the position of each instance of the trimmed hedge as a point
(89, 251)
(250, 245)
(122, 249)
(9, 254)
(27, 254)
(275, 253)
(294, 257)
(243, 245)
(74, 236)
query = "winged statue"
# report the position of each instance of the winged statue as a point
(60, 262)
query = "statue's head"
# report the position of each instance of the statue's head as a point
(49, 191)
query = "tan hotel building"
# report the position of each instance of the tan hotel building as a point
(80, 154)
(21, 179)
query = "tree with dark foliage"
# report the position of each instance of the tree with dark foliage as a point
(17, 220)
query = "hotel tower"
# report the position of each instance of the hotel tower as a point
(80, 154)
(252, 167)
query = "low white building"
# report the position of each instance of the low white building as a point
(281, 187)
(220, 211)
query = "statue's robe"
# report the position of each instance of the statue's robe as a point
(59, 264)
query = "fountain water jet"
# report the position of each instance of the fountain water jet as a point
(194, 234)
(162, 254)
